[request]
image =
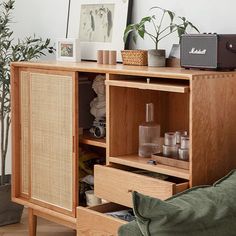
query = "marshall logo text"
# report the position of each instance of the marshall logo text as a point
(198, 51)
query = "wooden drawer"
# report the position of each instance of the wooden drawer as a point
(93, 221)
(116, 185)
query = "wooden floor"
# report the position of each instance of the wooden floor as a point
(45, 228)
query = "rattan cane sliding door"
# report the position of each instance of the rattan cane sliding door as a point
(48, 146)
(25, 133)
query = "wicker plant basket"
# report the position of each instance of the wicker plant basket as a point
(135, 57)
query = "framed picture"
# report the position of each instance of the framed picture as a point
(99, 24)
(68, 50)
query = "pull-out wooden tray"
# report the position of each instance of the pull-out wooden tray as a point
(93, 221)
(171, 161)
(116, 185)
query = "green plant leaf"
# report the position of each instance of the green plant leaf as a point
(171, 14)
(156, 7)
(145, 19)
(181, 30)
(139, 28)
(172, 27)
(141, 33)
(194, 27)
(130, 28)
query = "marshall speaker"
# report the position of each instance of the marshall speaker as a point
(208, 51)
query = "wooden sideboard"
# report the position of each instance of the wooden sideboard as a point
(45, 137)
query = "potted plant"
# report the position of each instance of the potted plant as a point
(23, 50)
(156, 57)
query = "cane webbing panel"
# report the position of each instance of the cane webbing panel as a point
(24, 111)
(51, 139)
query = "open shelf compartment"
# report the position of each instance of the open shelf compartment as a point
(87, 138)
(86, 119)
(171, 111)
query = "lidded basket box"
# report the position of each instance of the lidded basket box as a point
(135, 57)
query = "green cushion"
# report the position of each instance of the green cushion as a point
(204, 211)
(130, 229)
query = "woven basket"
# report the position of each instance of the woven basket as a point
(135, 57)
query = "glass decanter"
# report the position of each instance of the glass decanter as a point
(149, 134)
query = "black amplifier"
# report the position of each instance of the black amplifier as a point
(208, 51)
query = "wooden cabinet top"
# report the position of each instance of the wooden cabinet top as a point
(166, 72)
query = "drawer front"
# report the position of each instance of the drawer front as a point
(116, 185)
(93, 221)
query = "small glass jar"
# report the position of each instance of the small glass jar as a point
(184, 154)
(170, 151)
(170, 139)
(184, 142)
(179, 134)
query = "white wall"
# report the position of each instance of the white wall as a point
(210, 16)
(47, 18)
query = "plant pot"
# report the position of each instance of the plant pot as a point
(157, 58)
(10, 213)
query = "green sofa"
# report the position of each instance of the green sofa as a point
(203, 210)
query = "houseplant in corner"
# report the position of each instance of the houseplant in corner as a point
(23, 50)
(156, 57)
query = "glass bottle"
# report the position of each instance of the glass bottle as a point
(149, 134)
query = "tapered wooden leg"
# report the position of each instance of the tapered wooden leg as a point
(32, 223)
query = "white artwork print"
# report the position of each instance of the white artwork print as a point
(99, 25)
(96, 22)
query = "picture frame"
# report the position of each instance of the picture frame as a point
(100, 25)
(68, 49)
